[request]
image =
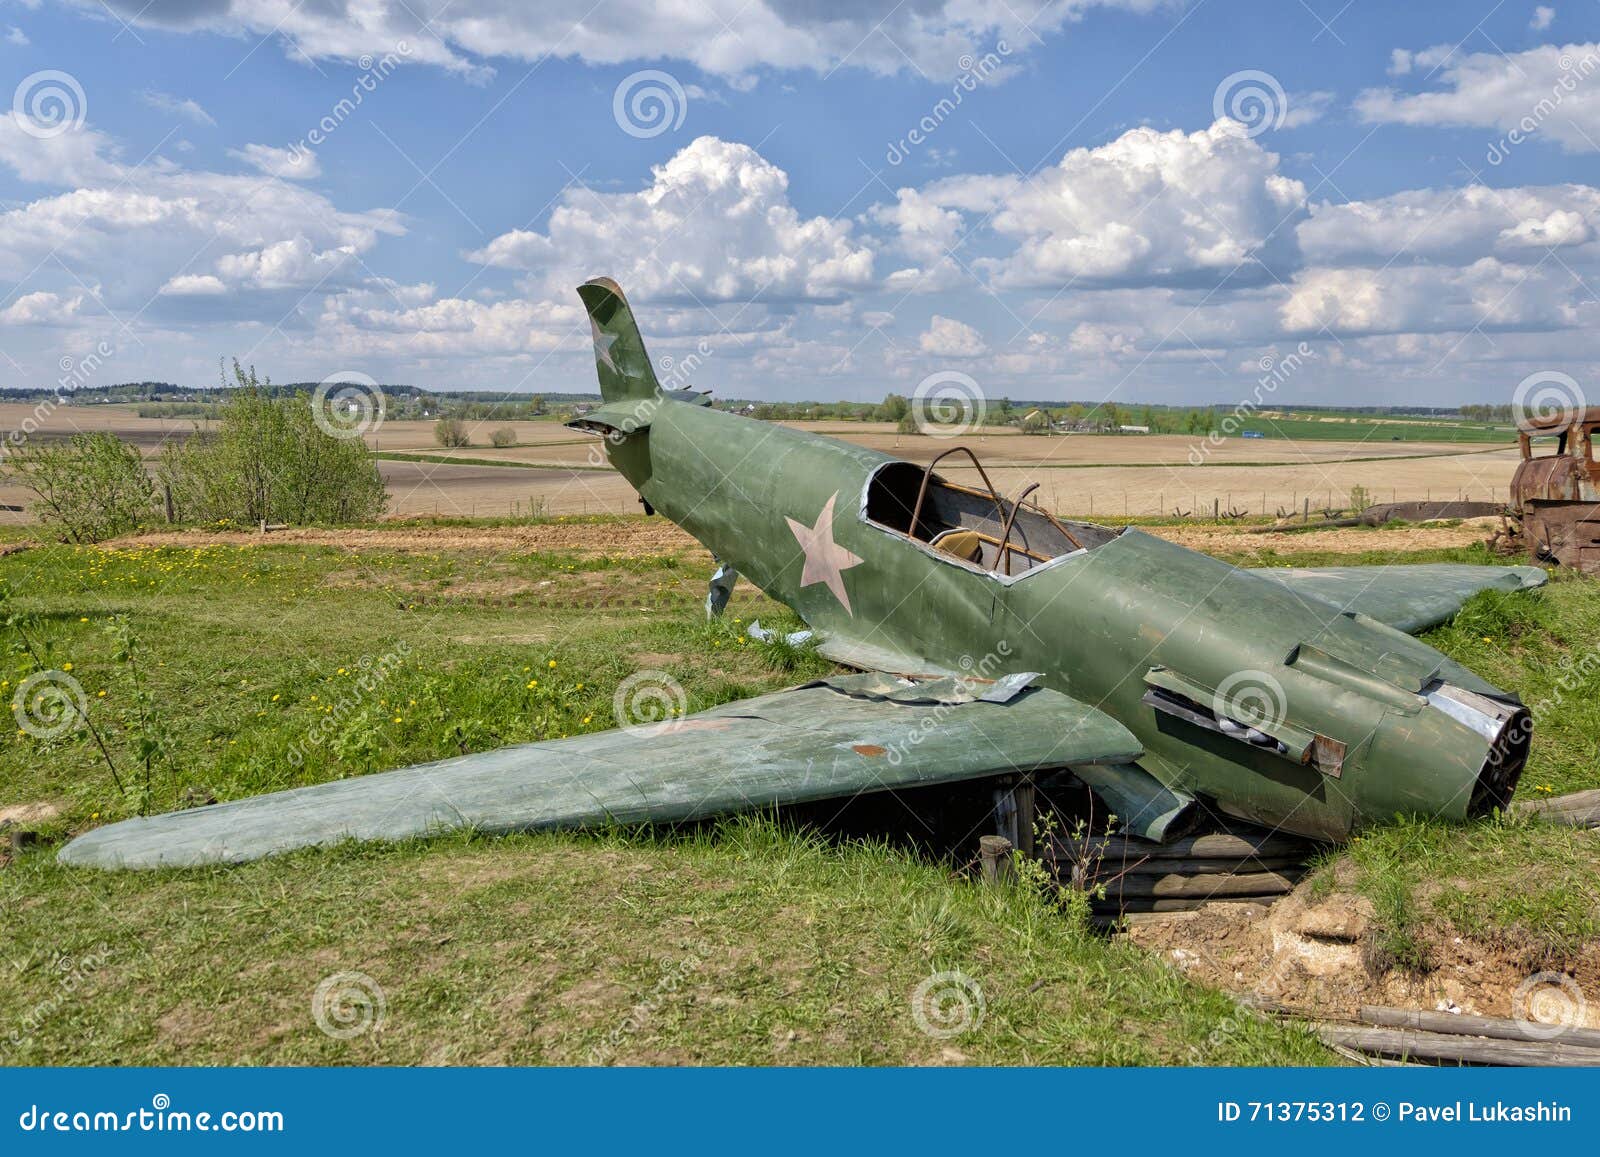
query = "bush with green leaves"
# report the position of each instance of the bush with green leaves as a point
(451, 432)
(87, 488)
(503, 437)
(268, 458)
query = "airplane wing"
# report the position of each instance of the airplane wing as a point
(839, 737)
(1408, 598)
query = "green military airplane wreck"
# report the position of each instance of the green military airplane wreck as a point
(993, 639)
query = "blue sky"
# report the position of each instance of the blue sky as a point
(1137, 200)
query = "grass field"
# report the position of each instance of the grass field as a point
(1329, 427)
(742, 943)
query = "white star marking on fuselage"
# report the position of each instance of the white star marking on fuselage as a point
(826, 560)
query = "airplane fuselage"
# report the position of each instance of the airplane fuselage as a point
(1142, 628)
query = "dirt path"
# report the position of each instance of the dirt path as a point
(1337, 540)
(638, 536)
(631, 537)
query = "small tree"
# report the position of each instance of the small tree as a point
(451, 432)
(503, 437)
(89, 487)
(269, 458)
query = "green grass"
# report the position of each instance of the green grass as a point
(1356, 428)
(740, 945)
(743, 943)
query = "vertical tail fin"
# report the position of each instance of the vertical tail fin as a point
(619, 353)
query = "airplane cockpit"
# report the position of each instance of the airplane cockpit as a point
(976, 527)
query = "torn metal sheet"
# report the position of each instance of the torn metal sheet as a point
(794, 638)
(1143, 805)
(938, 690)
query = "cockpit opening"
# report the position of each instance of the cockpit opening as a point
(974, 526)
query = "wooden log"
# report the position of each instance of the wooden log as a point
(1575, 801)
(1581, 809)
(1451, 1047)
(1224, 866)
(1203, 887)
(1111, 907)
(1498, 1027)
(1216, 845)
(994, 858)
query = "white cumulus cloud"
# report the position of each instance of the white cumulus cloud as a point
(714, 225)
(1550, 91)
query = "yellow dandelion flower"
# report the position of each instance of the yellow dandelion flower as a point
(552, 664)
(66, 666)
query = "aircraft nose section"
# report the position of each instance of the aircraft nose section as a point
(1458, 758)
(1507, 728)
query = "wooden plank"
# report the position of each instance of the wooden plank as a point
(1112, 906)
(1570, 802)
(1222, 866)
(1500, 1028)
(1203, 887)
(1581, 809)
(1215, 845)
(1451, 1047)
